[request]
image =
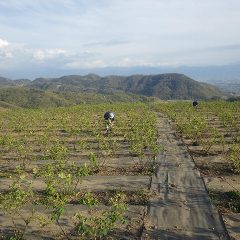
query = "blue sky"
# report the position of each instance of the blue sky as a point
(42, 37)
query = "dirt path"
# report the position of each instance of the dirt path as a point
(182, 207)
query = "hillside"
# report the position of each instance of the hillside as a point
(163, 86)
(15, 96)
(75, 89)
(29, 97)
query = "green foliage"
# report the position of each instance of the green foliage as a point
(14, 97)
(19, 193)
(6, 140)
(13, 201)
(30, 98)
(230, 199)
(98, 227)
(93, 160)
(88, 199)
(234, 156)
(58, 152)
(48, 145)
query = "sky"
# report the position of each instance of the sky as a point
(53, 37)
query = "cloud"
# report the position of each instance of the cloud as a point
(45, 54)
(5, 51)
(224, 47)
(82, 64)
(4, 54)
(17, 55)
(106, 43)
(3, 43)
(77, 33)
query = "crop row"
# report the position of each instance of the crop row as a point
(37, 148)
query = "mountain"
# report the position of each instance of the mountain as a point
(22, 82)
(6, 82)
(163, 86)
(15, 96)
(17, 82)
(91, 88)
(29, 98)
(225, 76)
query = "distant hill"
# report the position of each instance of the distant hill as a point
(6, 82)
(4, 105)
(15, 96)
(27, 97)
(163, 86)
(75, 89)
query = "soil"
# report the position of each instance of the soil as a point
(166, 196)
(220, 178)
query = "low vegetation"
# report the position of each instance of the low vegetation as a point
(211, 132)
(47, 154)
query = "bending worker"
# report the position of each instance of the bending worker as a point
(109, 118)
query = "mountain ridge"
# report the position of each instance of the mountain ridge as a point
(164, 86)
(167, 86)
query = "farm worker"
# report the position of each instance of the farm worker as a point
(109, 118)
(195, 104)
